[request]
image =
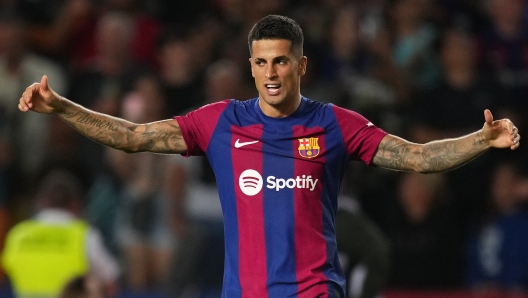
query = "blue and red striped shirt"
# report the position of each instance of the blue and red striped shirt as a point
(278, 181)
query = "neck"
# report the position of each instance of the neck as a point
(280, 110)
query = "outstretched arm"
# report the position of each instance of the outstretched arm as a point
(161, 137)
(398, 154)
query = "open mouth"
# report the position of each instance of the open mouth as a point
(273, 88)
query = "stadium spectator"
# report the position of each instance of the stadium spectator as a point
(498, 243)
(462, 86)
(59, 29)
(422, 224)
(18, 66)
(406, 48)
(108, 76)
(84, 286)
(349, 69)
(143, 228)
(503, 44)
(365, 251)
(445, 111)
(182, 82)
(43, 253)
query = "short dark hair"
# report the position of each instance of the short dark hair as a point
(277, 27)
(59, 188)
(83, 286)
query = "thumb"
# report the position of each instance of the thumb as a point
(488, 116)
(44, 83)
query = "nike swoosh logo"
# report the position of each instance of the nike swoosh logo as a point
(239, 144)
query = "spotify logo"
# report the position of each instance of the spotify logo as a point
(250, 182)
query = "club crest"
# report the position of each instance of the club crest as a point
(309, 147)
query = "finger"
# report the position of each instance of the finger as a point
(22, 105)
(488, 116)
(32, 89)
(28, 94)
(516, 142)
(510, 126)
(44, 83)
(506, 123)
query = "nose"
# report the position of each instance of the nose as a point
(270, 72)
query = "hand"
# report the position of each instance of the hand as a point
(40, 98)
(500, 133)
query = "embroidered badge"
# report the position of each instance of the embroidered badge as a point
(309, 147)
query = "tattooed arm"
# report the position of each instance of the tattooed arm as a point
(398, 154)
(160, 137)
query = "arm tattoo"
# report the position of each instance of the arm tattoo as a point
(161, 140)
(87, 119)
(437, 156)
(391, 154)
(159, 137)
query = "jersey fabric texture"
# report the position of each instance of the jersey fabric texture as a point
(278, 181)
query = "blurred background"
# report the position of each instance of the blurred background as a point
(420, 69)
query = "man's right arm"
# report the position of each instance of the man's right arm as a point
(160, 137)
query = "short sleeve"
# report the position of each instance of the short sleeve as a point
(198, 126)
(361, 137)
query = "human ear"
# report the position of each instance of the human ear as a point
(251, 64)
(302, 65)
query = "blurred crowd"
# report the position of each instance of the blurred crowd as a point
(419, 69)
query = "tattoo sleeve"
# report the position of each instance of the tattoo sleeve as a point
(398, 154)
(159, 137)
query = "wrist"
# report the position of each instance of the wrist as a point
(482, 140)
(61, 105)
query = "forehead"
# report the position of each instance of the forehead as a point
(268, 48)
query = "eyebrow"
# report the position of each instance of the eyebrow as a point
(278, 58)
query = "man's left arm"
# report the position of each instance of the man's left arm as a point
(398, 154)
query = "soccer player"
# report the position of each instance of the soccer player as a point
(279, 160)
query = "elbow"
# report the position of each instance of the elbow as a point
(432, 168)
(426, 171)
(131, 142)
(125, 148)
(421, 169)
(129, 151)
(132, 149)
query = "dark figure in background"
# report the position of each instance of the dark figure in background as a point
(502, 48)
(498, 243)
(84, 286)
(422, 225)
(452, 109)
(44, 252)
(365, 251)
